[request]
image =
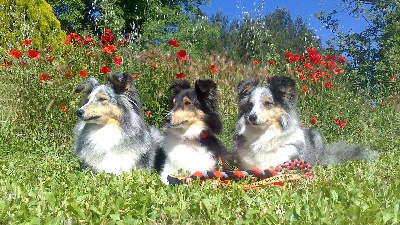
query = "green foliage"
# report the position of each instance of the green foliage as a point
(20, 20)
(123, 16)
(164, 23)
(374, 52)
(265, 38)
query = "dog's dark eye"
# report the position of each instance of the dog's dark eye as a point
(101, 99)
(267, 104)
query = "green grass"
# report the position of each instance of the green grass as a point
(40, 182)
(49, 189)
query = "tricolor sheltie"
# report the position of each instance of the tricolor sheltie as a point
(268, 130)
(190, 143)
(111, 134)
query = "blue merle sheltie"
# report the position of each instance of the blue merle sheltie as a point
(111, 134)
(190, 143)
(268, 131)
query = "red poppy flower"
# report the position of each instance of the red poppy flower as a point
(26, 42)
(331, 64)
(328, 84)
(314, 56)
(109, 49)
(180, 75)
(147, 113)
(340, 123)
(135, 76)
(256, 62)
(304, 88)
(272, 62)
(33, 54)
(154, 66)
(288, 55)
(16, 54)
(51, 59)
(49, 48)
(181, 55)
(174, 43)
(107, 32)
(107, 37)
(74, 37)
(313, 121)
(292, 58)
(118, 61)
(302, 77)
(338, 70)
(393, 78)
(105, 70)
(308, 66)
(69, 75)
(23, 63)
(64, 108)
(83, 73)
(88, 39)
(329, 57)
(213, 68)
(342, 59)
(43, 77)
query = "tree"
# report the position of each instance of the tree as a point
(267, 37)
(374, 52)
(164, 23)
(35, 20)
(123, 16)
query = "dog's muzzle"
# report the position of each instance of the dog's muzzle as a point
(167, 119)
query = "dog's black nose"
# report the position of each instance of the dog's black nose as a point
(167, 119)
(79, 112)
(252, 117)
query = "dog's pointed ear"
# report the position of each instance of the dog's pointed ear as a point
(179, 85)
(283, 87)
(207, 94)
(87, 86)
(206, 87)
(121, 82)
(246, 86)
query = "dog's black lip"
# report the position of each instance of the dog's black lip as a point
(254, 124)
(251, 123)
(177, 124)
(91, 118)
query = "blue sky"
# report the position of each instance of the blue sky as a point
(304, 8)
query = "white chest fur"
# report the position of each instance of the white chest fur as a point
(186, 156)
(271, 148)
(104, 150)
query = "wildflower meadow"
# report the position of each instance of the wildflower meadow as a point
(40, 181)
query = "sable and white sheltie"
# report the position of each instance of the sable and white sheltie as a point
(268, 130)
(111, 134)
(190, 143)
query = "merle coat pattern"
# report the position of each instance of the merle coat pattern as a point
(268, 130)
(111, 134)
